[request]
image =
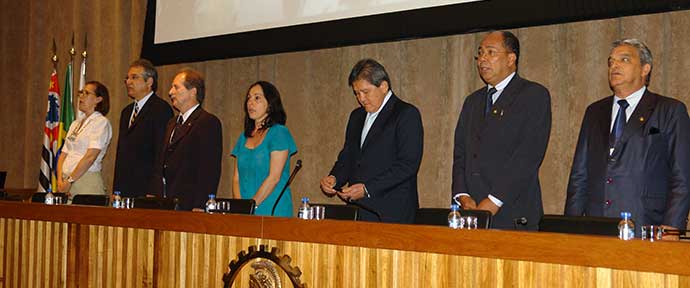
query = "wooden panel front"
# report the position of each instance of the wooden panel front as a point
(166, 249)
(34, 253)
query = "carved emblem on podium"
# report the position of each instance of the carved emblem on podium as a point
(266, 268)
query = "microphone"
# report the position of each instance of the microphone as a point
(298, 166)
(519, 221)
(366, 208)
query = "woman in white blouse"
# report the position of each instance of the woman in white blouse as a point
(86, 143)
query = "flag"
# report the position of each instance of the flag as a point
(67, 113)
(82, 73)
(47, 178)
(82, 78)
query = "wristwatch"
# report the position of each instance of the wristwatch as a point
(70, 180)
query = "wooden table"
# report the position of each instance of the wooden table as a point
(79, 246)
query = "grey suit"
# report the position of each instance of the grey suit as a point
(648, 172)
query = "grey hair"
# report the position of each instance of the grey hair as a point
(642, 50)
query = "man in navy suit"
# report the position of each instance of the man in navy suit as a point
(501, 139)
(382, 152)
(633, 153)
(142, 128)
(190, 159)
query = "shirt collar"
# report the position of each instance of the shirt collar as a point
(385, 100)
(633, 99)
(502, 85)
(142, 102)
(185, 115)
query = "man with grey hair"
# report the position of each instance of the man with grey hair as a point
(633, 151)
(142, 128)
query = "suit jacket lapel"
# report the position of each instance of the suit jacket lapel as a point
(603, 121)
(184, 129)
(380, 120)
(502, 105)
(143, 111)
(639, 117)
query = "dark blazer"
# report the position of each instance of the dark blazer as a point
(648, 173)
(387, 163)
(500, 154)
(138, 146)
(191, 161)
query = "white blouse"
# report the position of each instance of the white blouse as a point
(93, 132)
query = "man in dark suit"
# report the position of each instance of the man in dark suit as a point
(382, 152)
(501, 139)
(190, 159)
(142, 128)
(633, 153)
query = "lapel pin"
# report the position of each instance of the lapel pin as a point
(641, 119)
(495, 111)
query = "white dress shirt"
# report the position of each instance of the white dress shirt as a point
(371, 117)
(140, 104)
(93, 132)
(633, 99)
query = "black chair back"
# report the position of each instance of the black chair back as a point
(339, 211)
(92, 200)
(40, 197)
(237, 206)
(579, 225)
(156, 203)
(3, 177)
(439, 216)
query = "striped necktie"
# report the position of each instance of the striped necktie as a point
(134, 114)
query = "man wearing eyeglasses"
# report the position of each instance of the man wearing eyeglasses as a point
(501, 138)
(142, 129)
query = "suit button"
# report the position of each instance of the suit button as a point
(607, 203)
(609, 181)
(165, 166)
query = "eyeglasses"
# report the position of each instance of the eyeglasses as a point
(86, 92)
(133, 77)
(488, 53)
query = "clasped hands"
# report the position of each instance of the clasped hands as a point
(468, 203)
(350, 193)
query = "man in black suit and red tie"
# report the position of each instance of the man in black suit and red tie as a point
(382, 152)
(142, 128)
(633, 153)
(501, 139)
(190, 159)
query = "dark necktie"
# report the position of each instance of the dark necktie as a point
(178, 123)
(490, 100)
(619, 124)
(134, 114)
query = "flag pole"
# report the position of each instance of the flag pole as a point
(54, 58)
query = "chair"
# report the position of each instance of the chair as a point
(92, 200)
(156, 203)
(40, 197)
(439, 216)
(339, 212)
(237, 206)
(579, 225)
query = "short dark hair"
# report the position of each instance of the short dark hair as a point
(512, 44)
(276, 112)
(369, 70)
(194, 79)
(101, 91)
(149, 71)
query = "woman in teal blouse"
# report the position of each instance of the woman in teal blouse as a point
(263, 151)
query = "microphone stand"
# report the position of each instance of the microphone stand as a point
(298, 166)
